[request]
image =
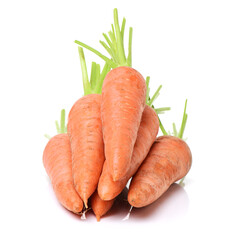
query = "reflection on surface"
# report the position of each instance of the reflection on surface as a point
(171, 205)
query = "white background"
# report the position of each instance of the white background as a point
(190, 47)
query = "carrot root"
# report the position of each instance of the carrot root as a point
(168, 161)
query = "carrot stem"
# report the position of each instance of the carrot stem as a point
(129, 58)
(86, 84)
(47, 136)
(175, 133)
(155, 95)
(114, 44)
(162, 110)
(96, 77)
(98, 87)
(62, 122)
(106, 59)
(164, 132)
(57, 126)
(119, 37)
(184, 122)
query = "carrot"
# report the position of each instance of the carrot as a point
(123, 96)
(168, 161)
(57, 160)
(85, 133)
(123, 101)
(99, 206)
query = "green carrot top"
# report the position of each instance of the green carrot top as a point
(114, 44)
(179, 133)
(60, 126)
(96, 77)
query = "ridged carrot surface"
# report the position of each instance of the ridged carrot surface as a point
(99, 206)
(57, 160)
(148, 130)
(168, 161)
(85, 132)
(123, 101)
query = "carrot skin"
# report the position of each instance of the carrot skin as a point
(123, 101)
(57, 160)
(85, 132)
(147, 133)
(169, 160)
(99, 206)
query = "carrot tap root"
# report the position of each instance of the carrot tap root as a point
(57, 160)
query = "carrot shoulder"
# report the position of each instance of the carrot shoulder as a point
(57, 160)
(148, 130)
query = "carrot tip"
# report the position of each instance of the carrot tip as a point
(98, 218)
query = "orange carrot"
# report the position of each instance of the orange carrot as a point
(57, 160)
(99, 206)
(123, 101)
(148, 130)
(168, 161)
(85, 132)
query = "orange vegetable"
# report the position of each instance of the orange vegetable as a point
(85, 132)
(168, 161)
(109, 189)
(99, 206)
(57, 160)
(123, 101)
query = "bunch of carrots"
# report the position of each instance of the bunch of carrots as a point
(111, 137)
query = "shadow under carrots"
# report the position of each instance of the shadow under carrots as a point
(171, 205)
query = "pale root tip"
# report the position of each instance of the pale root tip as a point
(98, 218)
(86, 203)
